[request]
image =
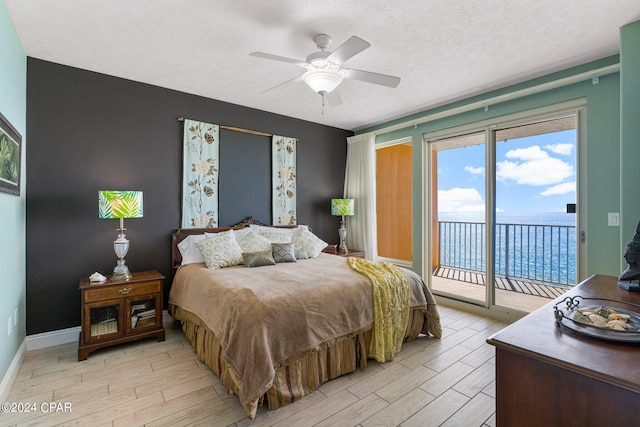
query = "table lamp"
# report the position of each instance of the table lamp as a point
(342, 208)
(120, 204)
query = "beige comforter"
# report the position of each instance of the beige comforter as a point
(266, 315)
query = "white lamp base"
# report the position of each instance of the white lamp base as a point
(342, 232)
(121, 271)
(121, 247)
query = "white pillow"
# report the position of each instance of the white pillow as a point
(275, 234)
(241, 233)
(265, 228)
(190, 253)
(305, 240)
(253, 242)
(220, 250)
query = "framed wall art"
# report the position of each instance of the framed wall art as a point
(10, 144)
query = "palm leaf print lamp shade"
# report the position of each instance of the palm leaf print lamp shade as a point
(120, 204)
(342, 208)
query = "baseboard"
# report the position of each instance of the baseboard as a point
(12, 372)
(64, 336)
(49, 339)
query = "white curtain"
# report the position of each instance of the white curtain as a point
(360, 185)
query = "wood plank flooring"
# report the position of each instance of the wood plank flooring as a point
(446, 382)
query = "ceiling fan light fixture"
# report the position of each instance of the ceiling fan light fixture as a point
(324, 68)
(322, 80)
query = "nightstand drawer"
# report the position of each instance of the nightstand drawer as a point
(122, 290)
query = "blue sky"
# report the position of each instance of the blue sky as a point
(533, 174)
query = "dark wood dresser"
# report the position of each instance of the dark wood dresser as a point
(548, 375)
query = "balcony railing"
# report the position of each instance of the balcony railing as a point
(538, 253)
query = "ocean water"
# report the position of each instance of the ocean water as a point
(533, 246)
(538, 218)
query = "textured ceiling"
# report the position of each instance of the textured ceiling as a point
(443, 50)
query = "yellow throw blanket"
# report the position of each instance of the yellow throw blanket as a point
(391, 293)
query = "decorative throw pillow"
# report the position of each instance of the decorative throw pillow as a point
(300, 253)
(253, 242)
(274, 228)
(220, 250)
(277, 236)
(309, 242)
(258, 259)
(190, 253)
(283, 252)
(259, 228)
(240, 234)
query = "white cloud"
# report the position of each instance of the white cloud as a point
(533, 166)
(563, 149)
(474, 171)
(530, 153)
(460, 200)
(564, 188)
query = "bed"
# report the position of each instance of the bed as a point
(277, 332)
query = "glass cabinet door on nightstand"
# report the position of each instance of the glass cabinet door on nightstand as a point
(143, 312)
(104, 321)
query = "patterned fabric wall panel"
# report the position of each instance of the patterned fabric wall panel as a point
(201, 145)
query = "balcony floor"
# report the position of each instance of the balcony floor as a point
(518, 294)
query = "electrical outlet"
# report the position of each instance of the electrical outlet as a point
(614, 219)
(15, 317)
(10, 326)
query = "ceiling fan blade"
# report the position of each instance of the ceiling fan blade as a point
(348, 49)
(333, 98)
(295, 79)
(278, 58)
(371, 77)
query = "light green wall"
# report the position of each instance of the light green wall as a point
(13, 105)
(630, 129)
(602, 156)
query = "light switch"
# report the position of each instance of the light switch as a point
(614, 219)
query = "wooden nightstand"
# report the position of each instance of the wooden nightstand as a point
(118, 311)
(332, 249)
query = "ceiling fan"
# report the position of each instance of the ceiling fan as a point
(324, 68)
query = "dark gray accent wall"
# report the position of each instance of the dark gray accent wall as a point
(250, 192)
(89, 131)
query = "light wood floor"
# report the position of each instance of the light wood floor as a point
(447, 382)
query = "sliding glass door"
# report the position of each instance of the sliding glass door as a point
(458, 226)
(535, 198)
(503, 213)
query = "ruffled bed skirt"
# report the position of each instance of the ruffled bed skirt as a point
(302, 374)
